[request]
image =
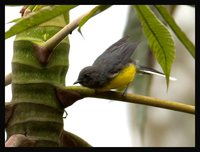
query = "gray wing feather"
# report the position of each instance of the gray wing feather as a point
(115, 57)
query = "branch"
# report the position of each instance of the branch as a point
(130, 98)
(44, 51)
(51, 43)
(8, 79)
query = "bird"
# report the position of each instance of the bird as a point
(114, 68)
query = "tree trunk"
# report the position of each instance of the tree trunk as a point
(37, 112)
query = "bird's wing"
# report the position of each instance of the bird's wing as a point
(115, 57)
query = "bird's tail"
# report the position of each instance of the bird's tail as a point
(147, 70)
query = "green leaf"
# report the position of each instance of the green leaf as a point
(36, 18)
(15, 20)
(177, 30)
(158, 37)
(98, 9)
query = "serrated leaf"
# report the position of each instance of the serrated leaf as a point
(98, 9)
(45, 14)
(159, 38)
(177, 30)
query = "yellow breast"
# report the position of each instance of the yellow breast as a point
(122, 79)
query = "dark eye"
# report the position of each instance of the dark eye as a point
(86, 76)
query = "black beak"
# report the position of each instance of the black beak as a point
(76, 82)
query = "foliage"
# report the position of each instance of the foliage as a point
(157, 34)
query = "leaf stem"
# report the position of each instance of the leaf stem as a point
(51, 43)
